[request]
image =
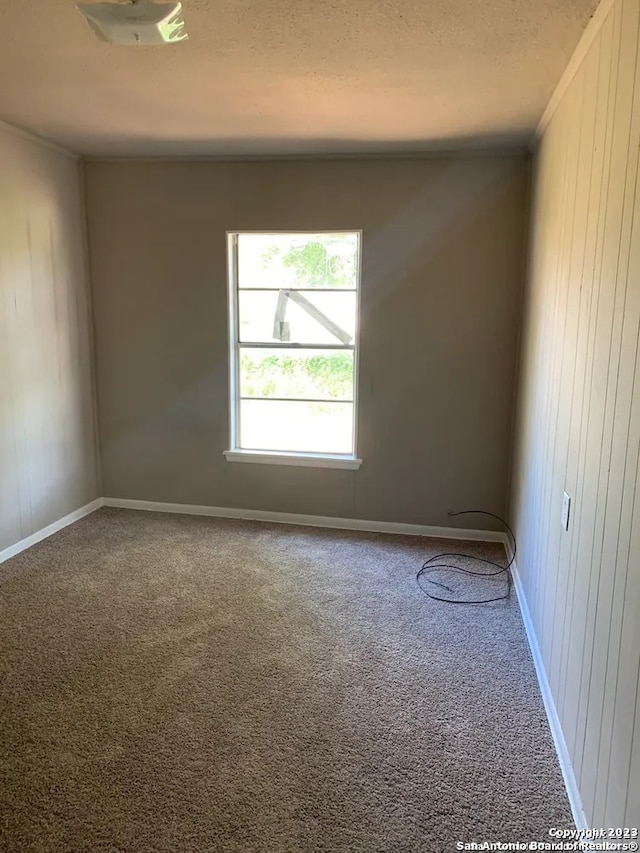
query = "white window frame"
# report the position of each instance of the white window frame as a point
(279, 457)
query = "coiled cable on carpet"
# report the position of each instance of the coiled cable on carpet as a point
(435, 564)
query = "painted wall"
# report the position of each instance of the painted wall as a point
(578, 425)
(441, 296)
(47, 436)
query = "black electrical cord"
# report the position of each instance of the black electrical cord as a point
(433, 565)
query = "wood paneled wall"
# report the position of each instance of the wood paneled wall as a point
(578, 421)
(47, 435)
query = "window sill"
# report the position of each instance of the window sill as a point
(308, 460)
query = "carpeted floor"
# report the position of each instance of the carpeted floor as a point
(173, 683)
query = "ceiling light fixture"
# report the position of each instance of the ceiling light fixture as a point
(136, 23)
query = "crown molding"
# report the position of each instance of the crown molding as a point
(28, 136)
(577, 58)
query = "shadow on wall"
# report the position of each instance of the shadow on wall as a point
(441, 259)
(170, 143)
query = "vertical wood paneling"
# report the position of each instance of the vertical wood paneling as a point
(592, 420)
(47, 440)
(596, 90)
(550, 305)
(624, 638)
(578, 426)
(575, 636)
(572, 342)
(557, 390)
(622, 380)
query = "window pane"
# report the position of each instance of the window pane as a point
(296, 426)
(306, 374)
(309, 318)
(298, 260)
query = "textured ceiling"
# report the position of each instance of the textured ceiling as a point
(291, 76)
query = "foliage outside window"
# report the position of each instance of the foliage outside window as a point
(293, 313)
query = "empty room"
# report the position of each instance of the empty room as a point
(319, 426)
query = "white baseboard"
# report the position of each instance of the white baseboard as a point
(566, 767)
(50, 529)
(311, 520)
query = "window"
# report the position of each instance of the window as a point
(293, 321)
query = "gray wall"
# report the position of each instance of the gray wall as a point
(578, 425)
(47, 441)
(441, 296)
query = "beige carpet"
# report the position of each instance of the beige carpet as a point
(172, 683)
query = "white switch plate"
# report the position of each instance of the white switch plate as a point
(566, 509)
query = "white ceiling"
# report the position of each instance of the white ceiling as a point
(275, 77)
